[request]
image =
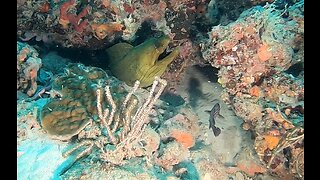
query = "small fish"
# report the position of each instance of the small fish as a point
(214, 113)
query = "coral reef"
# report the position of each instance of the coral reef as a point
(27, 120)
(76, 90)
(173, 154)
(64, 118)
(181, 131)
(101, 121)
(110, 130)
(182, 127)
(226, 11)
(95, 24)
(254, 55)
(246, 51)
(88, 24)
(101, 31)
(54, 63)
(103, 23)
(28, 65)
(67, 18)
(141, 62)
(130, 138)
(77, 101)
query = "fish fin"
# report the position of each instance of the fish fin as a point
(207, 111)
(220, 116)
(215, 100)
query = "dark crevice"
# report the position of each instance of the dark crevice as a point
(295, 69)
(208, 71)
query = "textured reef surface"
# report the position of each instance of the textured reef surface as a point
(121, 89)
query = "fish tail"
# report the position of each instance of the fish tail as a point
(216, 131)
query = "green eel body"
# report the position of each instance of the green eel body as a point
(141, 62)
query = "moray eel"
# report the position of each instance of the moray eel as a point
(141, 62)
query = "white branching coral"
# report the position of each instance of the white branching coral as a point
(133, 126)
(123, 128)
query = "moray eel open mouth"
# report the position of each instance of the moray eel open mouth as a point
(165, 53)
(142, 62)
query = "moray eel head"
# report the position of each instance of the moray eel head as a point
(142, 62)
(160, 45)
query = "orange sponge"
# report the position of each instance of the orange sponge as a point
(186, 139)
